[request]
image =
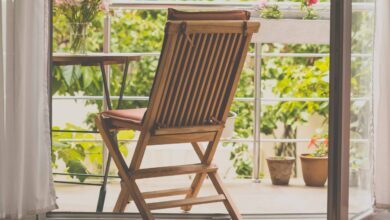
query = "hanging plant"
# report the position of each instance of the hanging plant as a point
(307, 7)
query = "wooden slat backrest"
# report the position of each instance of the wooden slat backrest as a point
(198, 72)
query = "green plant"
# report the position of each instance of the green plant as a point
(320, 146)
(270, 12)
(294, 80)
(81, 157)
(306, 5)
(137, 31)
(240, 156)
(242, 161)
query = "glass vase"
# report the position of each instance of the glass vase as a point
(78, 38)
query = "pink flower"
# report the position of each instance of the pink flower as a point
(326, 141)
(60, 2)
(312, 143)
(263, 3)
(311, 2)
(104, 6)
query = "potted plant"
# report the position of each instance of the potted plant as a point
(303, 24)
(315, 165)
(280, 169)
(228, 131)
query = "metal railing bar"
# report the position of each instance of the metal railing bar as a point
(305, 99)
(284, 6)
(298, 140)
(74, 140)
(77, 183)
(277, 140)
(308, 55)
(242, 99)
(179, 5)
(128, 98)
(81, 174)
(75, 131)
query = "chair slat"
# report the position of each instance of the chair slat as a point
(177, 77)
(221, 53)
(202, 77)
(173, 63)
(172, 170)
(191, 86)
(187, 76)
(216, 80)
(183, 202)
(166, 192)
(221, 91)
(197, 90)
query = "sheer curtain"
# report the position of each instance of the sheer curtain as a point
(382, 104)
(26, 186)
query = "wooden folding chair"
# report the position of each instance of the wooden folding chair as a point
(197, 76)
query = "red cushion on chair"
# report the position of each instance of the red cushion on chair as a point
(131, 115)
(174, 14)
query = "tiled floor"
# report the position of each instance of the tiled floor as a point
(379, 215)
(253, 198)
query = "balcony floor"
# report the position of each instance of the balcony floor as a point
(251, 198)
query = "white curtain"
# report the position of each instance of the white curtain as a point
(26, 186)
(382, 104)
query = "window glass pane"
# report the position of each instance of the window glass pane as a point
(361, 145)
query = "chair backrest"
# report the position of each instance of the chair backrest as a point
(176, 15)
(198, 72)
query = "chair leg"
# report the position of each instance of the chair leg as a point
(129, 182)
(198, 180)
(217, 182)
(123, 199)
(139, 201)
(195, 186)
(229, 204)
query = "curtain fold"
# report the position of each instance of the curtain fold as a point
(26, 186)
(382, 104)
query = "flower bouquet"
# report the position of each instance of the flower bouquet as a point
(79, 14)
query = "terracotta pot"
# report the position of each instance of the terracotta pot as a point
(314, 169)
(280, 169)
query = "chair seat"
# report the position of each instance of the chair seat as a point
(128, 115)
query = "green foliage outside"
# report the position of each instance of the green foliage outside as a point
(82, 157)
(142, 31)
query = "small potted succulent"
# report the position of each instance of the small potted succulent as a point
(315, 165)
(280, 169)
